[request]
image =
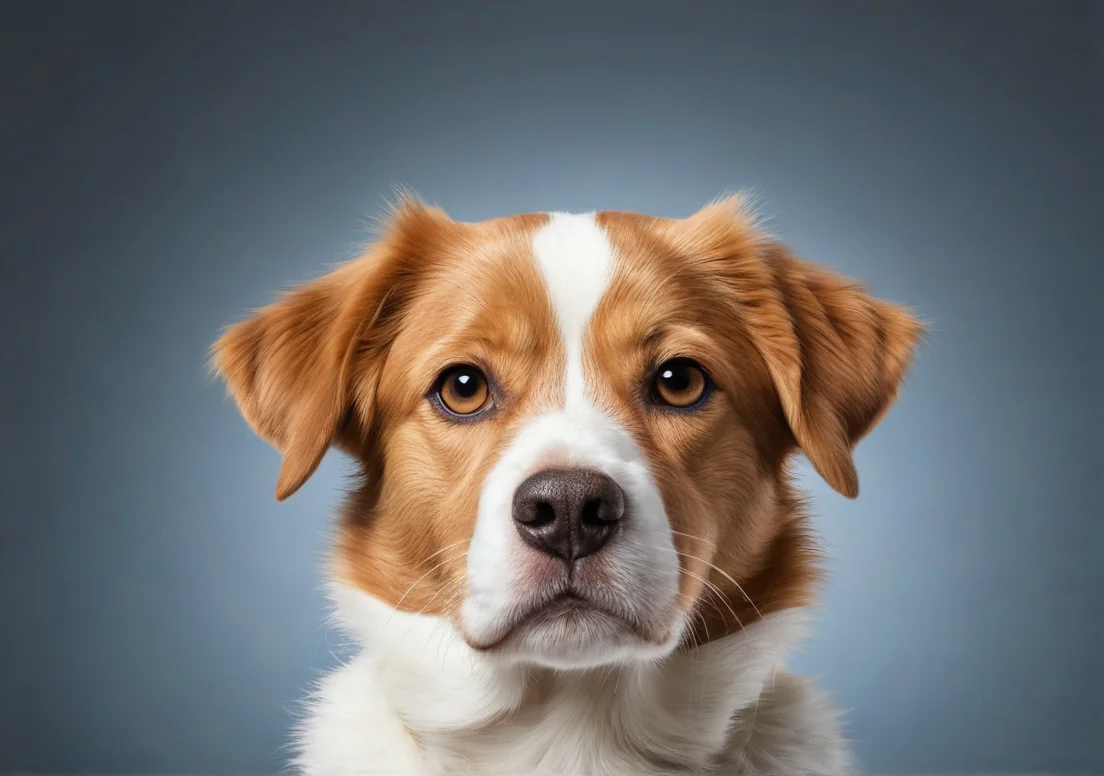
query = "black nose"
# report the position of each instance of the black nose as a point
(568, 513)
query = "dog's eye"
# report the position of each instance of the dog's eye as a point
(680, 383)
(463, 390)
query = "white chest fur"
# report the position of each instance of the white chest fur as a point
(416, 700)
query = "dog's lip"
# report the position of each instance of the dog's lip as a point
(566, 600)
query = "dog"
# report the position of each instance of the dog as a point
(574, 546)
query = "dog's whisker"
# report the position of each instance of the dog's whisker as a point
(695, 538)
(714, 589)
(738, 586)
(716, 568)
(417, 581)
(443, 549)
(453, 592)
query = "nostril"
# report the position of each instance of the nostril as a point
(544, 514)
(592, 511)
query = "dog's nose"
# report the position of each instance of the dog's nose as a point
(568, 513)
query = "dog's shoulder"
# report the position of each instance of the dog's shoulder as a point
(349, 728)
(792, 730)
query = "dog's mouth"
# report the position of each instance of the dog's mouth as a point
(563, 607)
(567, 613)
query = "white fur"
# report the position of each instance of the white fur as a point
(418, 700)
(576, 262)
(599, 698)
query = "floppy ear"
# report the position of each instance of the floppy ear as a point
(288, 366)
(836, 355)
(837, 358)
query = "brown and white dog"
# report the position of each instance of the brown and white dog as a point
(575, 547)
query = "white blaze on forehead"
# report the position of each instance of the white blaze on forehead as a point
(576, 261)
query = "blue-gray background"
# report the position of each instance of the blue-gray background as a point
(167, 166)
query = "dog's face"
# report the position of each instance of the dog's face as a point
(573, 428)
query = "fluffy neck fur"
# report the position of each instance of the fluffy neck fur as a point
(456, 711)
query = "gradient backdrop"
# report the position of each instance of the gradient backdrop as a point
(167, 166)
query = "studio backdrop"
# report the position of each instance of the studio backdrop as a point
(166, 167)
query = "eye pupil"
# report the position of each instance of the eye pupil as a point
(466, 384)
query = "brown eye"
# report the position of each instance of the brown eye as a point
(463, 390)
(680, 383)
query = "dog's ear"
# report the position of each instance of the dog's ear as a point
(837, 357)
(288, 366)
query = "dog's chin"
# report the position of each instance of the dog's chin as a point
(570, 633)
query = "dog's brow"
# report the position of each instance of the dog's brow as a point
(652, 336)
(503, 341)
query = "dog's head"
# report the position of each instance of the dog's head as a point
(573, 429)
